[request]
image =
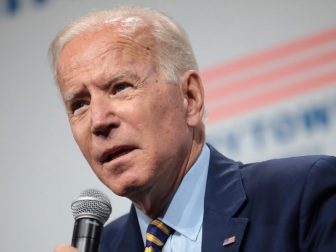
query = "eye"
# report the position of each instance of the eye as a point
(119, 87)
(77, 105)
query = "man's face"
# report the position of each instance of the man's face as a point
(128, 121)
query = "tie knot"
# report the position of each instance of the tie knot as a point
(157, 235)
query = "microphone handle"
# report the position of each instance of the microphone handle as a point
(86, 235)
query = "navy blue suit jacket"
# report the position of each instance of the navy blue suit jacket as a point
(284, 205)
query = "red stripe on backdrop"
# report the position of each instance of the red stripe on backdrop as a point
(270, 55)
(265, 78)
(232, 109)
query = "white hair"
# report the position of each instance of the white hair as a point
(173, 52)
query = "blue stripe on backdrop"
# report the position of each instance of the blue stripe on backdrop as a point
(12, 6)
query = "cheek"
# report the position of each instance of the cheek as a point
(82, 138)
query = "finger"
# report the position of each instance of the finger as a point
(65, 248)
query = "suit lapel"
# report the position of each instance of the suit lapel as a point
(131, 239)
(223, 197)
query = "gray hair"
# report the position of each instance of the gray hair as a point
(174, 54)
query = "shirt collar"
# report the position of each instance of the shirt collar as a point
(185, 211)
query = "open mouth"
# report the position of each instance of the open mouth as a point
(115, 153)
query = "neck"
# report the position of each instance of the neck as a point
(155, 201)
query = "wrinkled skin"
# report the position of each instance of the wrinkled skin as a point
(139, 133)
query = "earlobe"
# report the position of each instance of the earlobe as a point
(193, 92)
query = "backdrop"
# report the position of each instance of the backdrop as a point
(269, 70)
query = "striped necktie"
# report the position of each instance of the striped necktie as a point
(157, 235)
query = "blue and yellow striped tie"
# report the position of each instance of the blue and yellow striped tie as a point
(157, 235)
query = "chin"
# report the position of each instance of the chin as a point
(127, 188)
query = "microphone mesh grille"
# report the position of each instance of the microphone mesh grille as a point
(92, 203)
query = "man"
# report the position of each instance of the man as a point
(134, 99)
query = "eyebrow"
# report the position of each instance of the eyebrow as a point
(118, 76)
(71, 95)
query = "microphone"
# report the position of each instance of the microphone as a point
(91, 210)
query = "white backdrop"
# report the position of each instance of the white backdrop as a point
(42, 170)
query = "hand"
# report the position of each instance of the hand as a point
(65, 248)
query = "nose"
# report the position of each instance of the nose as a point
(103, 118)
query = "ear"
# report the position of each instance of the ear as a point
(193, 95)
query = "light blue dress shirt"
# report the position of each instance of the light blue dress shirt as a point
(185, 211)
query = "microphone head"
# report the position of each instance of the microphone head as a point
(92, 203)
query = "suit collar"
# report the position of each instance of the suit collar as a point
(224, 196)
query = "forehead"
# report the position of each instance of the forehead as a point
(120, 39)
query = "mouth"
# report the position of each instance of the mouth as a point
(115, 153)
